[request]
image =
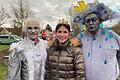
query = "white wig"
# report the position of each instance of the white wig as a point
(31, 22)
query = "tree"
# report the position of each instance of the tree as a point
(116, 28)
(20, 12)
(118, 8)
(4, 16)
(75, 26)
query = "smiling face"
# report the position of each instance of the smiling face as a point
(32, 28)
(32, 32)
(92, 23)
(62, 34)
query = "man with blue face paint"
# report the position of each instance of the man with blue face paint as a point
(27, 58)
(99, 45)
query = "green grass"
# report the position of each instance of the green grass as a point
(3, 67)
(3, 71)
(4, 47)
(119, 76)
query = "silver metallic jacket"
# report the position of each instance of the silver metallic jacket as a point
(27, 60)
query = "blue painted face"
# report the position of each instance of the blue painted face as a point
(104, 14)
(92, 23)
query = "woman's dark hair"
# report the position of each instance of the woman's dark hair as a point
(67, 26)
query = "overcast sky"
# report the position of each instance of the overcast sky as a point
(52, 10)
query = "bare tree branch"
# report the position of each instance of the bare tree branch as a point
(75, 27)
(20, 11)
(4, 16)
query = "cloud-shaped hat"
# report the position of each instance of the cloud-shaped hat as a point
(103, 12)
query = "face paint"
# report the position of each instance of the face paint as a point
(103, 11)
(32, 32)
(33, 29)
(104, 14)
(92, 23)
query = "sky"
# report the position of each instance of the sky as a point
(50, 11)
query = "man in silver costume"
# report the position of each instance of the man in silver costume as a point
(27, 58)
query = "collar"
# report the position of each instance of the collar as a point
(30, 41)
(62, 46)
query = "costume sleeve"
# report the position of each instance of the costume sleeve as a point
(14, 64)
(117, 38)
(79, 65)
(44, 56)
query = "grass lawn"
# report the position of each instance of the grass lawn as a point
(3, 71)
(4, 47)
(3, 51)
(3, 67)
